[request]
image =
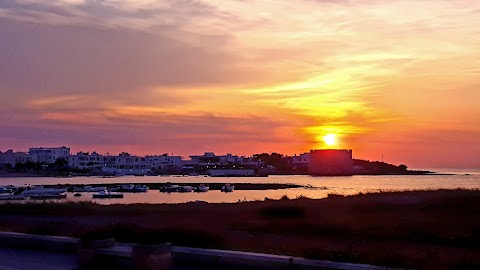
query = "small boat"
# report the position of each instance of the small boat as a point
(202, 188)
(4, 190)
(170, 188)
(107, 195)
(40, 190)
(12, 197)
(133, 188)
(48, 196)
(113, 189)
(77, 195)
(228, 188)
(88, 189)
(185, 189)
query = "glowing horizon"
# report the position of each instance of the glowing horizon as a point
(392, 78)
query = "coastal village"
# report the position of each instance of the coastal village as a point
(328, 162)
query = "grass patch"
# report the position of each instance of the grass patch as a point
(283, 211)
(48, 207)
(132, 233)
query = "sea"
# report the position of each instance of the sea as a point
(317, 187)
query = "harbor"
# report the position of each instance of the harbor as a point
(151, 189)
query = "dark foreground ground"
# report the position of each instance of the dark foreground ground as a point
(414, 229)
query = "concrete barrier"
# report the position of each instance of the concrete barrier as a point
(121, 255)
(152, 257)
(249, 260)
(87, 256)
(41, 242)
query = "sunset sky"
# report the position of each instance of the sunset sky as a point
(398, 78)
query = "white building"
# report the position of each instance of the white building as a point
(165, 162)
(301, 160)
(48, 155)
(126, 164)
(85, 160)
(209, 158)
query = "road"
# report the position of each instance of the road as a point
(22, 259)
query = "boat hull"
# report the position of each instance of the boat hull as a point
(12, 197)
(107, 196)
(48, 196)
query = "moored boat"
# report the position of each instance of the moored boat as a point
(88, 189)
(4, 190)
(133, 188)
(170, 188)
(107, 195)
(202, 188)
(12, 197)
(228, 188)
(185, 189)
(40, 190)
(48, 196)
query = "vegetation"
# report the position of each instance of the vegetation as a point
(412, 229)
(377, 167)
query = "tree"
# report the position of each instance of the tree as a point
(61, 163)
(274, 159)
(8, 167)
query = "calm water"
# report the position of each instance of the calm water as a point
(320, 186)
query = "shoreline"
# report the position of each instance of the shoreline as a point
(212, 186)
(32, 175)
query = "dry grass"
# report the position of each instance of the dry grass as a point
(412, 229)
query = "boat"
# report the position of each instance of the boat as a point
(202, 188)
(77, 195)
(4, 190)
(41, 190)
(185, 189)
(114, 189)
(88, 189)
(133, 188)
(48, 196)
(12, 197)
(107, 195)
(228, 188)
(170, 188)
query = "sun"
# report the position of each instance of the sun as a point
(330, 139)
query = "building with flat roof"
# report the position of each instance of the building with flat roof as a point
(48, 155)
(331, 162)
(165, 162)
(209, 158)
